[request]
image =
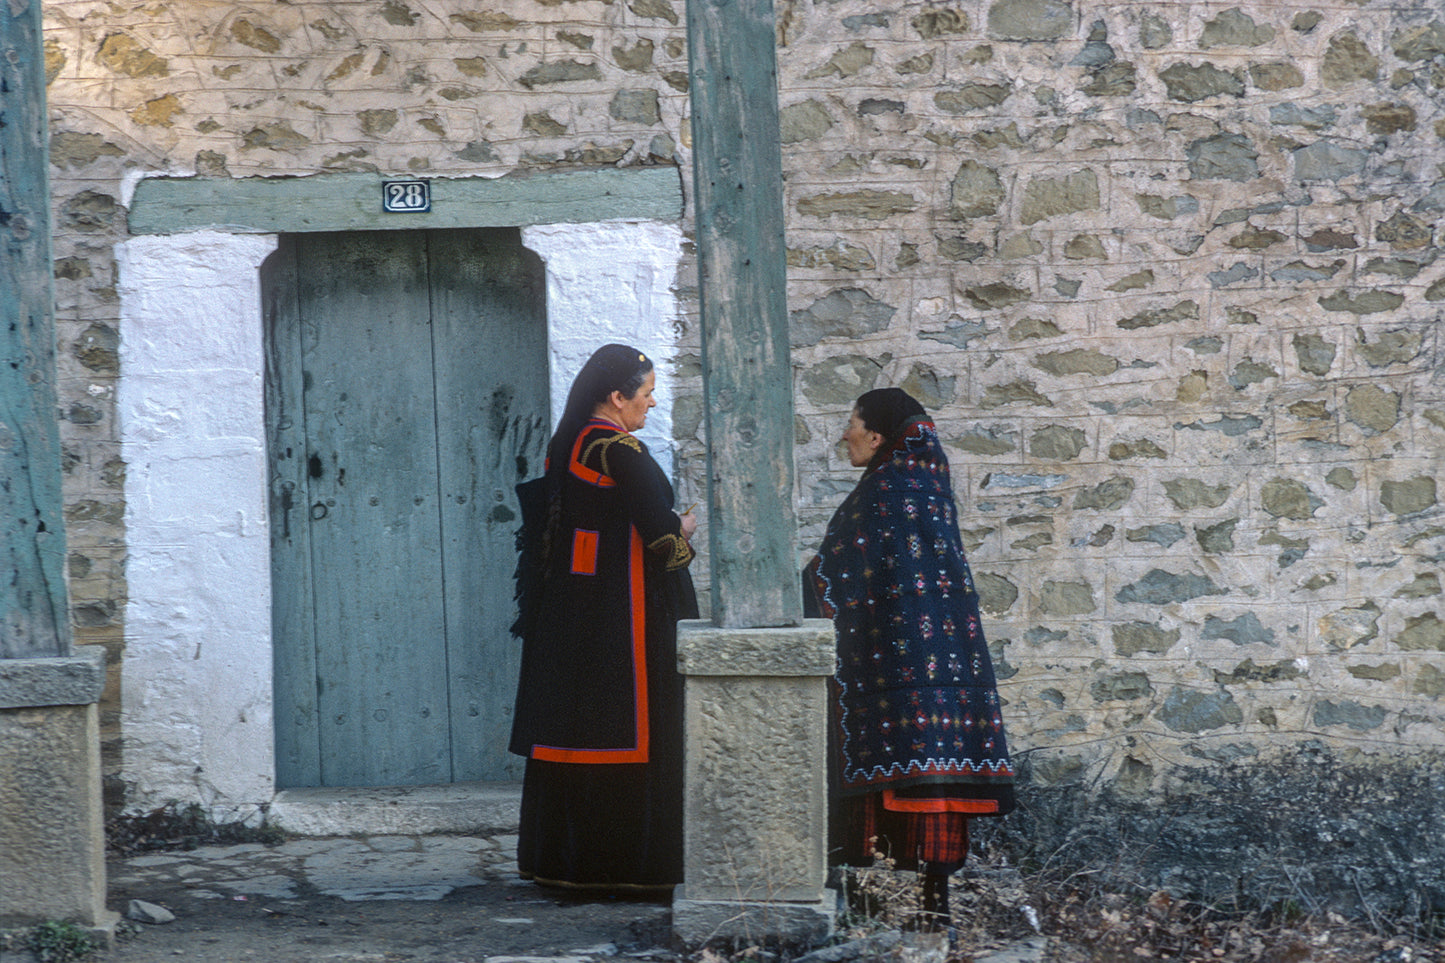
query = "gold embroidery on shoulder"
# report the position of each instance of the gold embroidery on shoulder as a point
(606, 443)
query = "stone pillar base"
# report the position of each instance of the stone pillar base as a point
(698, 921)
(52, 839)
(755, 805)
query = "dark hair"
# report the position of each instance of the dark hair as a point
(887, 411)
(612, 367)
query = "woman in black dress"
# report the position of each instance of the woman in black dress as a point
(602, 581)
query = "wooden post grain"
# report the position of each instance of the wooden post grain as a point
(33, 619)
(747, 376)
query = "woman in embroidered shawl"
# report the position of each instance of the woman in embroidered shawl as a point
(917, 740)
(602, 580)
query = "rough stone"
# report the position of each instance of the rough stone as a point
(98, 348)
(1422, 633)
(1121, 687)
(1191, 710)
(1350, 627)
(1159, 587)
(986, 441)
(1235, 28)
(1191, 84)
(1398, 346)
(638, 59)
(1244, 629)
(971, 97)
(71, 149)
(1316, 355)
(1386, 119)
(841, 379)
(995, 295)
(844, 63)
(1106, 496)
(996, 594)
(1276, 77)
(1405, 232)
(869, 204)
(1229, 157)
(1057, 443)
(636, 106)
(1420, 42)
(1063, 599)
(654, 10)
(124, 55)
(1342, 478)
(1019, 392)
(1052, 197)
(1247, 671)
(1164, 535)
(1155, 32)
(959, 333)
(1349, 713)
(559, 72)
(1287, 498)
(1167, 208)
(808, 120)
(1152, 318)
(1141, 448)
(1347, 61)
(1085, 247)
(1328, 160)
(1425, 585)
(1408, 497)
(844, 313)
(940, 22)
(1113, 80)
(1218, 538)
(1131, 638)
(975, 191)
(143, 912)
(1372, 407)
(1029, 19)
(933, 390)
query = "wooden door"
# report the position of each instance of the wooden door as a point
(406, 392)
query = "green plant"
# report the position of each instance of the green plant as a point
(54, 942)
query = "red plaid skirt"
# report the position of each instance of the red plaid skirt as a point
(932, 842)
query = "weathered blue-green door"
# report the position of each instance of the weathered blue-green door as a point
(406, 390)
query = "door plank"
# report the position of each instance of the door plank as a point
(298, 746)
(371, 475)
(490, 331)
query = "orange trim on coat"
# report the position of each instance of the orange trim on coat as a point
(977, 807)
(581, 470)
(637, 600)
(584, 552)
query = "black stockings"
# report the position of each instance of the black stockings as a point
(936, 916)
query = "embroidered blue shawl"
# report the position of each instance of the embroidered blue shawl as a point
(917, 701)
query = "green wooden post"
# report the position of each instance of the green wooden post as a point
(754, 859)
(33, 620)
(747, 375)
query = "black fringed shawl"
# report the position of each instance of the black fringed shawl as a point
(917, 703)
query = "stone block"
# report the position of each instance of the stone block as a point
(755, 861)
(52, 844)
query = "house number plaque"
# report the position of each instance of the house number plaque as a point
(406, 197)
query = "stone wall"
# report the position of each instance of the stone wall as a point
(1167, 274)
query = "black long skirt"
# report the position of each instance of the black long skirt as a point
(607, 827)
(617, 827)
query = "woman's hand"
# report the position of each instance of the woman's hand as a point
(689, 524)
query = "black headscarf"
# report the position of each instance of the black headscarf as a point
(888, 411)
(612, 367)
